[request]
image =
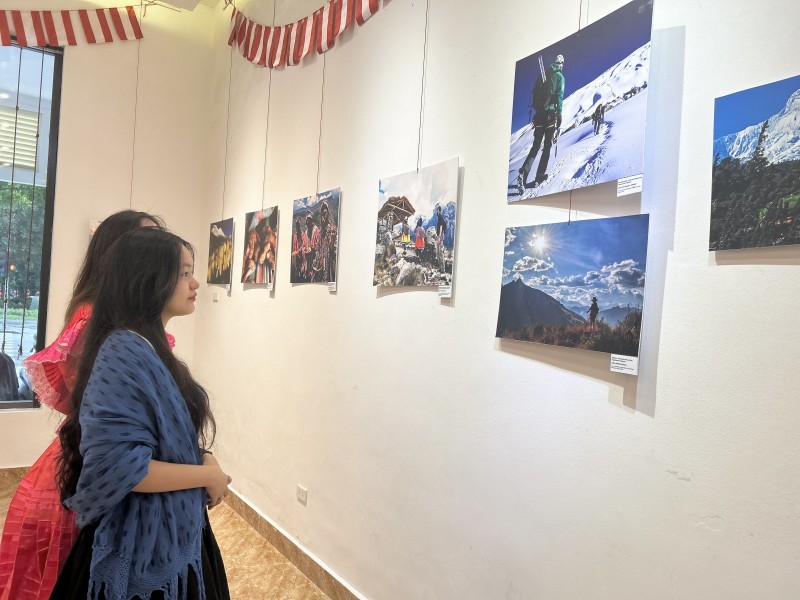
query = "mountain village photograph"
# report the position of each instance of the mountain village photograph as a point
(416, 227)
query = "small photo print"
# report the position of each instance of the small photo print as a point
(260, 246)
(220, 252)
(755, 185)
(578, 284)
(416, 227)
(315, 237)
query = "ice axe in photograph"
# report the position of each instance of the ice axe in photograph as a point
(533, 91)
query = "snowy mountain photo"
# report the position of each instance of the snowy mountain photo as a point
(605, 69)
(781, 143)
(755, 190)
(579, 285)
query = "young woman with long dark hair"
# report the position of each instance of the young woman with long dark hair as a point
(134, 469)
(39, 532)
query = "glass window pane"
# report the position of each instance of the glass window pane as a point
(26, 98)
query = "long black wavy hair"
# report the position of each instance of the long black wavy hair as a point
(109, 231)
(138, 277)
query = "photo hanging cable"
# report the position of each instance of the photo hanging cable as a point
(422, 84)
(11, 204)
(319, 140)
(135, 108)
(227, 129)
(569, 214)
(580, 14)
(33, 204)
(269, 101)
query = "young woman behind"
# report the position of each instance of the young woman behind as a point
(39, 532)
(133, 466)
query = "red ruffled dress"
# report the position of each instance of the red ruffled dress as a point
(39, 532)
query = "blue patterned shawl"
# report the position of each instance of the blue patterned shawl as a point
(133, 412)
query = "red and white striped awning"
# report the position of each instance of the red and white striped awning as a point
(289, 44)
(68, 27)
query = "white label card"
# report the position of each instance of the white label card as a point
(624, 364)
(445, 291)
(331, 286)
(270, 285)
(629, 185)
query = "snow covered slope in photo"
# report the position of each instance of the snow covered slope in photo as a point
(782, 142)
(585, 158)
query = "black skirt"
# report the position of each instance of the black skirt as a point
(73, 581)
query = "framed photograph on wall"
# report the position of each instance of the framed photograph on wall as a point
(315, 237)
(755, 185)
(220, 252)
(579, 107)
(260, 247)
(578, 284)
(416, 227)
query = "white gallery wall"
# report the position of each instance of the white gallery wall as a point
(440, 462)
(99, 173)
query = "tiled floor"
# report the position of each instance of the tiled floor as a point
(256, 570)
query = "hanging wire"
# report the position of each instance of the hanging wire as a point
(269, 102)
(580, 13)
(569, 214)
(135, 109)
(33, 204)
(159, 4)
(11, 205)
(422, 84)
(319, 141)
(227, 127)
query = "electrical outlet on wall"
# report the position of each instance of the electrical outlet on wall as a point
(302, 495)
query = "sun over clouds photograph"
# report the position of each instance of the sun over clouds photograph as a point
(578, 284)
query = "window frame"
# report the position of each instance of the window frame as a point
(49, 210)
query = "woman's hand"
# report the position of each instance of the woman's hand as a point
(217, 486)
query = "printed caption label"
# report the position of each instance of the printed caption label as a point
(629, 365)
(629, 185)
(331, 286)
(445, 291)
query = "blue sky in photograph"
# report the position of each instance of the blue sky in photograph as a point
(225, 226)
(735, 112)
(425, 189)
(572, 262)
(587, 53)
(252, 219)
(301, 205)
